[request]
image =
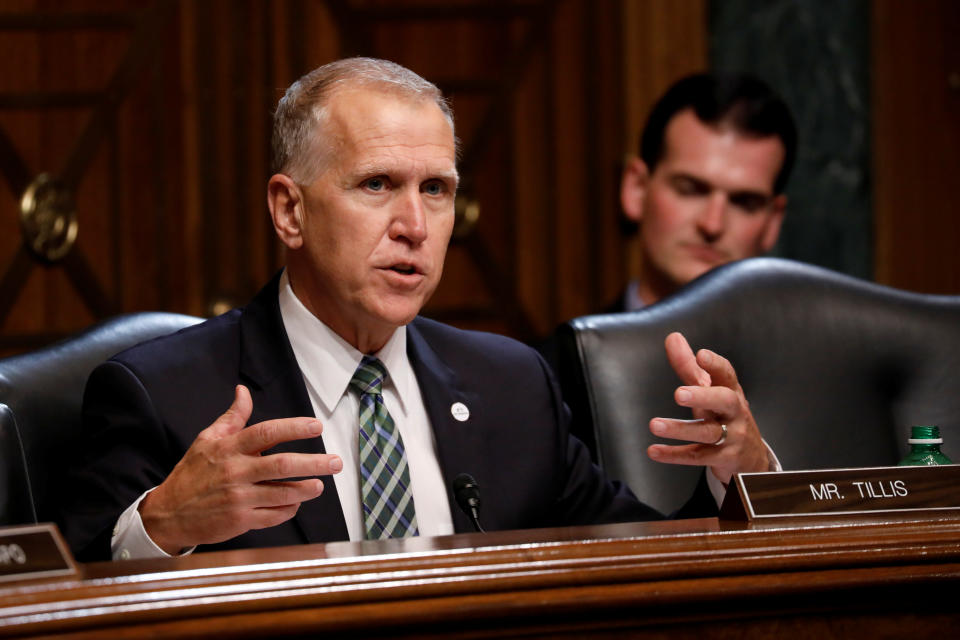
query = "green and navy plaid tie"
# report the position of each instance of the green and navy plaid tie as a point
(385, 479)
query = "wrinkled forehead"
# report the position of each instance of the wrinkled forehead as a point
(367, 122)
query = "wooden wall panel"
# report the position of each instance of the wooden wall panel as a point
(79, 107)
(664, 40)
(916, 139)
(570, 232)
(606, 122)
(533, 199)
(162, 109)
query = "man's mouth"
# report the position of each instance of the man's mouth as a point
(403, 276)
(405, 269)
(707, 253)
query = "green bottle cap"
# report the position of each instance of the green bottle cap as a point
(925, 435)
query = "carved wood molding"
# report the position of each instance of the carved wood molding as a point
(145, 26)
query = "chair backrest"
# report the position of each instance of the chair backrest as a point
(43, 393)
(836, 369)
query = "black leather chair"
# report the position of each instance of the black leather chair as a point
(41, 393)
(16, 503)
(836, 369)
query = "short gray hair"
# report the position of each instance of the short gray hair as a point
(298, 132)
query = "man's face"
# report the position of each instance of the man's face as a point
(709, 201)
(376, 222)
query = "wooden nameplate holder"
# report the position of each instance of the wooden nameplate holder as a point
(34, 551)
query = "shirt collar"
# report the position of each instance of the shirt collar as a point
(631, 297)
(327, 361)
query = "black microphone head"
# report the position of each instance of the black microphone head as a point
(467, 492)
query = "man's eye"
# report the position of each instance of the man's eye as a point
(749, 203)
(375, 184)
(686, 187)
(434, 188)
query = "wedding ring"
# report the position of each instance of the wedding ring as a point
(723, 436)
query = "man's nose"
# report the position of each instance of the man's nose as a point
(409, 217)
(713, 217)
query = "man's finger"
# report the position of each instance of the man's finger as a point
(269, 433)
(267, 517)
(721, 371)
(280, 466)
(699, 455)
(684, 362)
(235, 418)
(702, 431)
(718, 401)
(280, 494)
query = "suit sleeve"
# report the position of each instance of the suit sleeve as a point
(125, 452)
(588, 496)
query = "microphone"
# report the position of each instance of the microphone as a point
(467, 492)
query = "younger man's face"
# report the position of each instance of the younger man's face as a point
(709, 201)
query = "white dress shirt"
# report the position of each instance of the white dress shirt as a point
(328, 363)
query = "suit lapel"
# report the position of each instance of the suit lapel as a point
(268, 367)
(457, 442)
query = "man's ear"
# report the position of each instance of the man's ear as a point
(778, 208)
(286, 209)
(633, 188)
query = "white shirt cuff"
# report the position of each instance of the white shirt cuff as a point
(719, 490)
(130, 538)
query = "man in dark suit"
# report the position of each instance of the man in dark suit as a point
(363, 201)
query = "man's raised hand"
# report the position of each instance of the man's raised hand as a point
(223, 487)
(723, 435)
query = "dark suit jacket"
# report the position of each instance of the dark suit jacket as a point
(144, 407)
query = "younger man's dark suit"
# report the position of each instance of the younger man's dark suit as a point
(144, 407)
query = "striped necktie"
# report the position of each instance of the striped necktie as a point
(388, 510)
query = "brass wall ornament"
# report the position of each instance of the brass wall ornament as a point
(466, 213)
(48, 218)
(220, 305)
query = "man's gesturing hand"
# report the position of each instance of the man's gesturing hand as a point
(713, 393)
(223, 487)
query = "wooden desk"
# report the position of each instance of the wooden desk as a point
(681, 579)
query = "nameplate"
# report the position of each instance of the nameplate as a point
(34, 551)
(841, 492)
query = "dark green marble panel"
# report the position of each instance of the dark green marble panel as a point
(816, 54)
